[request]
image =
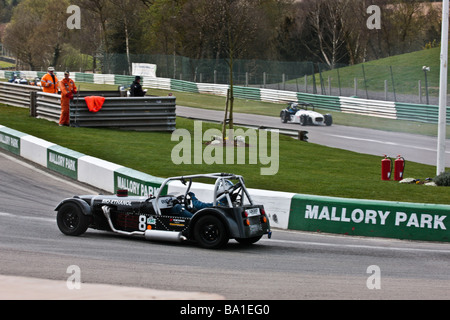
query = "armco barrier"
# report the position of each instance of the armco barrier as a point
(184, 86)
(386, 109)
(277, 96)
(419, 112)
(400, 220)
(374, 108)
(324, 102)
(135, 113)
(16, 95)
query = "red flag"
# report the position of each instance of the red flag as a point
(94, 103)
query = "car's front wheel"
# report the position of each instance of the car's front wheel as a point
(71, 221)
(210, 232)
(328, 119)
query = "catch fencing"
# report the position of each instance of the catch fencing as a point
(378, 108)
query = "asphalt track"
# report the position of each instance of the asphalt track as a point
(35, 256)
(413, 147)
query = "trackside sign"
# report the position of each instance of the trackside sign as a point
(137, 183)
(10, 140)
(63, 161)
(398, 220)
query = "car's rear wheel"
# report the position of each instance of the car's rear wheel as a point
(303, 120)
(71, 221)
(284, 116)
(210, 232)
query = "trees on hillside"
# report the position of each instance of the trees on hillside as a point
(330, 32)
(37, 31)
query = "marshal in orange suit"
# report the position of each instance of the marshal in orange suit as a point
(49, 81)
(68, 89)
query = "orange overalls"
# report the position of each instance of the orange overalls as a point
(49, 84)
(68, 89)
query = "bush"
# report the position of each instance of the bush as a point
(443, 179)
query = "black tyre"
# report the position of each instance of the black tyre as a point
(71, 221)
(303, 120)
(328, 119)
(210, 232)
(248, 241)
(284, 116)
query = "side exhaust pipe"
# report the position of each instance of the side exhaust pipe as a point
(159, 235)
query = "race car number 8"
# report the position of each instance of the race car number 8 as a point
(142, 223)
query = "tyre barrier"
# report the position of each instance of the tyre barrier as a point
(355, 217)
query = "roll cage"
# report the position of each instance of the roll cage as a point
(234, 197)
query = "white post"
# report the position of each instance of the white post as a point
(442, 122)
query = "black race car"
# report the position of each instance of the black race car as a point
(231, 214)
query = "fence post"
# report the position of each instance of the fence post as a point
(355, 93)
(385, 90)
(329, 85)
(365, 81)
(33, 104)
(393, 83)
(339, 82)
(420, 92)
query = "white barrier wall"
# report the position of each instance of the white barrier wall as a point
(97, 172)
(35, 149)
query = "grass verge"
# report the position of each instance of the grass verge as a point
(303, 167)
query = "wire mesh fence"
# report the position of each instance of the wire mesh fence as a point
(397, 83)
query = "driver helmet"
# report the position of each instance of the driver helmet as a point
(223, 186)
(293, 106)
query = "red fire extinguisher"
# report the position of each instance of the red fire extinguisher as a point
(399, 168)
(386, 168)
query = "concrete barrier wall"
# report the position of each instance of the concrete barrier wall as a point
(414, 221)
(400, 220)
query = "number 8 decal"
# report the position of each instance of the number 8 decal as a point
(142, 223)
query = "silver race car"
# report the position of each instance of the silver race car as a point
(304, 114)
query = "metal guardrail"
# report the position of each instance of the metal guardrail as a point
(374, 108)
(131, 113)
(47, 106)
(378, 108)
(17, 95)
(422, 113)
